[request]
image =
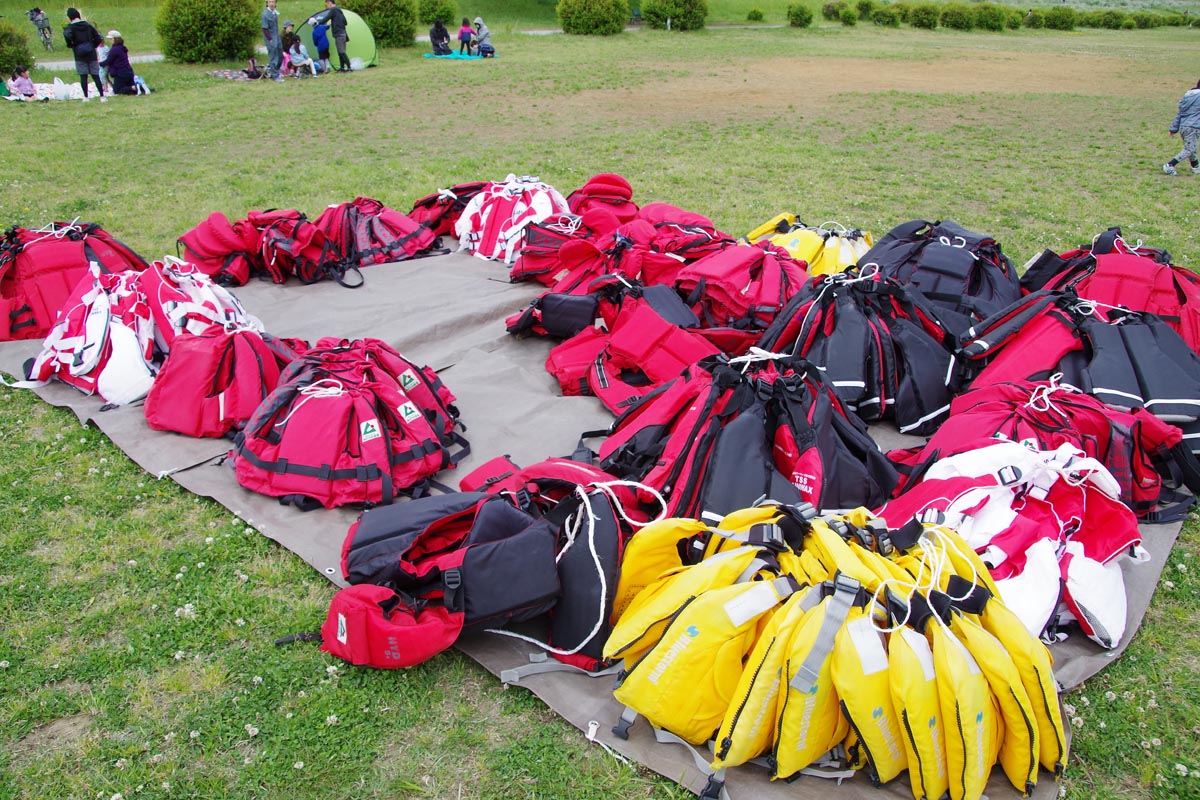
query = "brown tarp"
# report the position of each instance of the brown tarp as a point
(448, 312)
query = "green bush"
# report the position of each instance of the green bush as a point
(865, 8)
(1035, 19)
(1060, 18)
(1013, 19)
(1112, 20)
(1128, 24)
(886, 16)
(1175, 20)
(199, 31)
(923, 15)
(392, 22)
(833, 11)
(849, 17)
(598, 17)
(433, 10)
(754, 15)
(957, 16)
(990, 17)
(903, 10)
(799, 15)
(685, 15)
(14, 49)
(1144, 19)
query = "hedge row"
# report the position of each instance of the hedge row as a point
(989, 16)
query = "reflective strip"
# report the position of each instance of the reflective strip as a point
(836, 611)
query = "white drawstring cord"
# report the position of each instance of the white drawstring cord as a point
(326, 387)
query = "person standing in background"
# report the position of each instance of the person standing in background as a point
(83, 39)
(337, 26)
(270, 31)
(320, 33)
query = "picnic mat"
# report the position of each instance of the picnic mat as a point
(448, 311)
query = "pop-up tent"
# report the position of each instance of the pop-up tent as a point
(360, 41)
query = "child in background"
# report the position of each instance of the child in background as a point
(320, 31)
(102, 55)
(465, 34)
(21, 84)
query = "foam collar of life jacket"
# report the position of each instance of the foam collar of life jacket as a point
(371, 626)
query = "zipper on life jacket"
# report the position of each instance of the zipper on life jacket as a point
(872, 771)
(1058, 761)
(727, 743)
(912, 740)
(962, 739)
(625, 673)
(1033, 754)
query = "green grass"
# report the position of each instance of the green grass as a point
(133, 614)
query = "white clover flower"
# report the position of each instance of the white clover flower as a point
(1103, 724)
(1128, 695)
(194, 735)
(301, 693)
(1169, 584)
(200, 565)
(251, 731)
(121, 763)
(178, 576)
(169, 736)
(332, 719)
(132, 562)
(1152, 704)
(179, 655)
(4, 665)
(66, 498)
(1181, 567)
(1084, 701)
(331, 669)
(288, 715)
(208, 540)
(1156, 742)
(187, 611)
(239, 622)
(1182, 770)
(298, 765)
(256, 680)
(117, 796)
(1145, 745)
(1070, 709)
(1077, 722)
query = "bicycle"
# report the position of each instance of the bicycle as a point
(38, 18)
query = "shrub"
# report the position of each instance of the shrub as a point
(433, 10)
(754, 15)
(849, 17)
(685, 15)
(1112, 20)
(1175, 20)
(1128, 24)
(903, 10)
(990, 17)
(864, 8)
(924, 15)
(599, 17)
(957, 16)
(833, 11)
(1060, 18)
(886, 16)
(392, 22)
(1013, 19)
(230, 29)
(14, 49)
(799, 15)
(1035, 19)
(1144, 19)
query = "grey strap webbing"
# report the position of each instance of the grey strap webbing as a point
(836, 611)
(716, 779)
(540, 663)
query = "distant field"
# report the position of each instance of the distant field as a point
(136, 621)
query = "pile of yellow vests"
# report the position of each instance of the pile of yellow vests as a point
(805, 643)
(828, 248)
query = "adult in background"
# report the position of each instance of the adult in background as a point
(120, 71)
(83, 39)
(337, 26)
(270, 32)
(1187, 125)
(483, 39)
(439, 38)
(320, 33)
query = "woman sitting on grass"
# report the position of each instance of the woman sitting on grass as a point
(120, 71)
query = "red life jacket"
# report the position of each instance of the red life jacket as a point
(606, 190)
(365, 232)
(742, 286)
(39, 270)
(212, 382)
(228, 252)
(440, 211)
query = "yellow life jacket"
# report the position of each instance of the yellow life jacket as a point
(810, 719)
(1035, 665)
(835, 555)
(651, 551)
(860, 673)
(839, 249)
(969, 711)
(916, 701)
(648, 615)
(776, 224)
(685, 682)
(1019, 747)
(748, 728)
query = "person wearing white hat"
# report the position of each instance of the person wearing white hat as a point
(120, 71)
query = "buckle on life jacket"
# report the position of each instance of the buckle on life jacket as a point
(453, 597)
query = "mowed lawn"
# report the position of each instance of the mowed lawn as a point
(137, 621)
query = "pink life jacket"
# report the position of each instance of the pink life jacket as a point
(493, 222)
(440, 211)
(228, 252)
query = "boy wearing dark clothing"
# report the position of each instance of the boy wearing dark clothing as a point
(83, 39)
(337, 26)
